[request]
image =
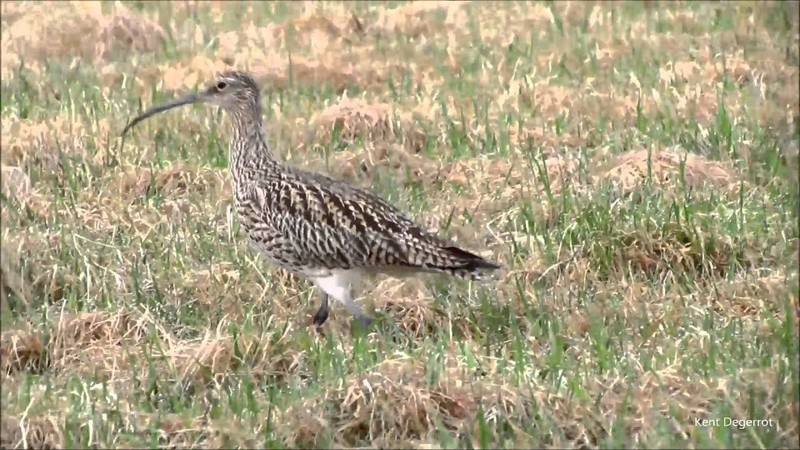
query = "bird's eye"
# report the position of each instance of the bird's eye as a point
(222, 85)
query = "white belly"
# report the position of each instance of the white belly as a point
(337, 283)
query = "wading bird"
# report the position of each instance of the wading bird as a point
(323, 229)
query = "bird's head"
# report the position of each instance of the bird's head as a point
(234, 91)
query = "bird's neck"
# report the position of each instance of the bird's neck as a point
(249, 148)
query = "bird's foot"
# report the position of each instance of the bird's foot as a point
(363, 323)
(321, 316)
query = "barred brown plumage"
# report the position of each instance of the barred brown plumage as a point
(308, 223)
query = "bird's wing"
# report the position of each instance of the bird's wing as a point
(335, 225)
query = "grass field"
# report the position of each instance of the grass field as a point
(634, 166)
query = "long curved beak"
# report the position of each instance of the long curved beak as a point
(191, 98)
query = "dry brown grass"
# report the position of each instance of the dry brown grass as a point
(173, 182)
(74, 29)
(64, 345)
(409, 411)
(44, 433)
(648, 275)
(668, 168)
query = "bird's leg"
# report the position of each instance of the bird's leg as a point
(363, 320)
(341, 289)
(322, 313)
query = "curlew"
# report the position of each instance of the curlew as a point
(320, 228)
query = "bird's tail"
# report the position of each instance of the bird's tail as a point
(463, 264)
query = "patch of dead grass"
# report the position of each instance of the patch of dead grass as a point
(74, 29)
(667, 257)
(68, 339)
(122, 200)
(491, 190)
(410, 307)
(178, 77)
(218, 354)
(271, 70)
(110, 347)
(668, 168)
(322, 37)
(334, 49)
(353, 166)
(216, 7)
(107, 345)
(28, 144)
(16, 185)
(40, 433)
(668, 393)
(172, 182)
(328, 71)
(513, 173)
(319, 27)
(13, 280)
(413, 19)
(671, 247)
(174, 430)
(394, 404)
(350, 119)
(692, 85)
(391, 404)
(579, 108)
(389, 142)
(691, 81)
(33, 262)
(213, 287)
(678, 249)
(401, 402)
(753, 295)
